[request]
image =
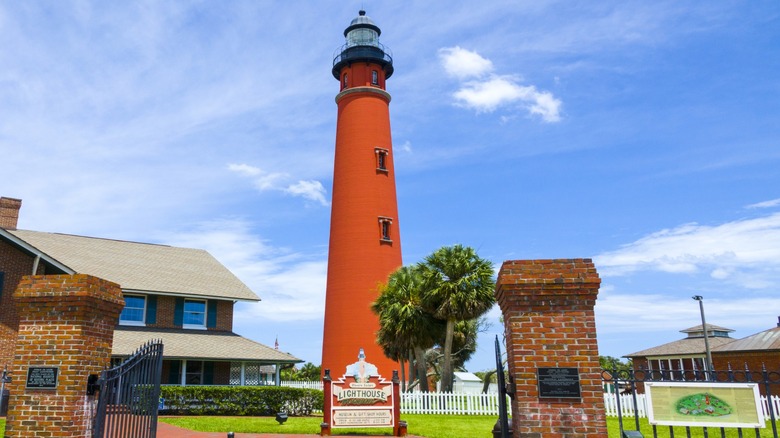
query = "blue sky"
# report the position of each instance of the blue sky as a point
(641, 134)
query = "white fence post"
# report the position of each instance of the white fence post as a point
(302, 384)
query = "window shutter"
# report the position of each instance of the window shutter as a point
(211, 313)
(178, 312)
(151, 309)
(173, 372)
(208, 373)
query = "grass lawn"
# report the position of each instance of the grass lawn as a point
(663, 431)
(430, 426)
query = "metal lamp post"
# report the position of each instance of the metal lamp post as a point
(700, 299)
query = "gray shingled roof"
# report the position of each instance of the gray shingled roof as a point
(198, 344)
(141, 266)
(766, 340)
(683, 347)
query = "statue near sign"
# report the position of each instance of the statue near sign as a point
(361, 369)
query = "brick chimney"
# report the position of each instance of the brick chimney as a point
(9, 212)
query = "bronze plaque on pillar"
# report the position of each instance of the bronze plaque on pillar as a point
(42, 378)
(558, 382)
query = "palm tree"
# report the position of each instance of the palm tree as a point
(464, 345)
(309, 372)
(404, 323)
(458, 286)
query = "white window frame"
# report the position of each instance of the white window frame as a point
(205, 315)
(385, 229)
(382, 155)
(186, 373)
(140, 323)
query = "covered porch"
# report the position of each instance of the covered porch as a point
(206, 357)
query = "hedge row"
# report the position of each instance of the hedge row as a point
(239, 400)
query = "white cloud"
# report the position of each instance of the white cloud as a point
(765, 204)
(245, 169)
(464, 64)
(639, 312)
(311, 190)
(745, 252)
(263, 181)
(488, 95)
(484, 91)
(291, 285)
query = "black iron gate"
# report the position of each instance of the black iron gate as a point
(129, 396)
(630, 384)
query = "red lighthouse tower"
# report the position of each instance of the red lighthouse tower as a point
(365, 243)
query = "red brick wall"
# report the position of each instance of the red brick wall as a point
(165, 307)
(224, 316)
(9, 212)
(755, 361)
(222, 373)
(66, 322)
(549, 322)
(14, 264)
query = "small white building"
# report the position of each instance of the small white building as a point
(467, 382)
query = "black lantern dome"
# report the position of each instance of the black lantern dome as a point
(362, 45)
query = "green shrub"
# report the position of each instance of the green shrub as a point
(239, 400)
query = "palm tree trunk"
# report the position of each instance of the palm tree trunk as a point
(486, 381)
(412, 368)
(422, 368)
(402, 362)
(446, 370)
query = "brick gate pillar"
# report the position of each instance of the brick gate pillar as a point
(552, 353)
(66, 327)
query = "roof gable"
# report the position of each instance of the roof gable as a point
(143, 267)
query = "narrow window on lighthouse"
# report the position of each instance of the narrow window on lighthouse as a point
(384, 229)
(374, 77)
(344, 84)
(381, 159)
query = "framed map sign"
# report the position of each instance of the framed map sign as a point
(704, 404)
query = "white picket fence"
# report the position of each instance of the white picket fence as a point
(302, 384)
(449, 403)
(627, 405)
(455, 403)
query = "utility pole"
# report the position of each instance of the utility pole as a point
(700, 299)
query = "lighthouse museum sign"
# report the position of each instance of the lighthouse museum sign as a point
(361, 397)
